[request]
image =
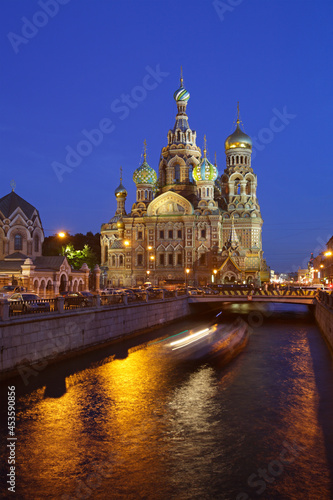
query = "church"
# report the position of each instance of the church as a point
(21, 259)
(188, 224)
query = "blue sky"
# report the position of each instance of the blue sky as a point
(70, 73)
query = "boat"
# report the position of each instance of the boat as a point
(217, 342)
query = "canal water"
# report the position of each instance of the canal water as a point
(129, 422)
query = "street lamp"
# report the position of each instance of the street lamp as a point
(62, 234)
(214, 275)
(186, 273)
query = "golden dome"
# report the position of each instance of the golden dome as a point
(120, 192)
(238, 139)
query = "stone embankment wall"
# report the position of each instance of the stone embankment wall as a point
(30, 339)
(324, 315)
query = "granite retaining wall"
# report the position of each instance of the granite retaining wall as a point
(31, 339)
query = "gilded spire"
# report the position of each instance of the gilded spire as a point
(121, 174)
(205, 146)
(215, 162)
(13, 185)
(181, 76)
(144, 150)
(238, 120)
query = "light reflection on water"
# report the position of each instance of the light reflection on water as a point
(146, 427)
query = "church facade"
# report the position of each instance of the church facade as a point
(21, 259)
(187, 223)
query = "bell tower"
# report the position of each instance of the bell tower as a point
(181, 155)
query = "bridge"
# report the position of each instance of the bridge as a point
(298, 296)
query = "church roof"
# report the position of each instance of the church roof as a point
(49, 261)
(117, 244)
(16, 256)
(10, 202)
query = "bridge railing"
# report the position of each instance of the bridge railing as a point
(60, 305)
(266, 293)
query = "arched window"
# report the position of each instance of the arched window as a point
(113, 260)
(245, 160)
(18, 242)
(146, 195)
(36, 243)
(208, 192)
(121, 260)
(233, 160)
(241, 159)
(190, 173)
(237, 159)
(139, 195)
(105, 253)
(177, 173)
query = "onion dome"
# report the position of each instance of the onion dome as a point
(205, 171)
(238, 139)
(145, 174)
(120, 192)
(181, 94)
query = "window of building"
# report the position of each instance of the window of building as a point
(161, 259)
(121, 260)
(177, 173)
(113, 260)
(105, 253)
(190, 173)
(170, 259)
(179, 233)
(202, 259)
(179, 259)
(170, 234)
(140, 259)
(203, 233)
(161, 235)
(18, 242)
(36, 244)
(139, 235)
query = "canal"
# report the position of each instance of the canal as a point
(129, 422)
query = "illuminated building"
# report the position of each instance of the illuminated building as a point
(21, 259)
(187, 217)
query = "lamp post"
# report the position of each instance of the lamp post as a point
(127, 246)
(214, 275)
(328, 277)
(186, 273)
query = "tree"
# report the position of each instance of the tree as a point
(53, 245)
(77, 258)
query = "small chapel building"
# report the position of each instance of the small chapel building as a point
(21, 259)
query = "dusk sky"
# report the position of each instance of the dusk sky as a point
(68, 76)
